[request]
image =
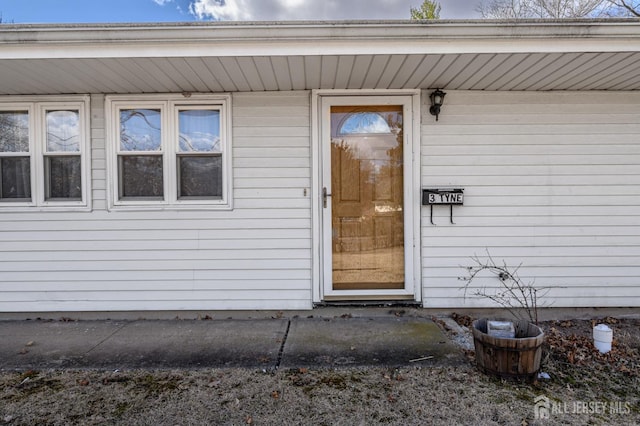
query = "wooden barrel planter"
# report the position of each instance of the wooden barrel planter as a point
(517, 357)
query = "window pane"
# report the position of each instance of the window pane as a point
(14, 131)
(364, 123)
(63, 176)
(16, 178)
(141, 176)
(140, 130)
(200, 176)
(199, 130)
(367, 188)
(63, 131)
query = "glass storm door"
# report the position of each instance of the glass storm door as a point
(364, 199)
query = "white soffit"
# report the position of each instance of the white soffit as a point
(228, 57)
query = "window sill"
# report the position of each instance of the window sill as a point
(161, 207)
(28, 208)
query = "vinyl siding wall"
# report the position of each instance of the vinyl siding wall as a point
(257, 256)
(552, 182)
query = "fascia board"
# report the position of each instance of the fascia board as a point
(305, 39)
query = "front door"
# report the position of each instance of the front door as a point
(364, 203)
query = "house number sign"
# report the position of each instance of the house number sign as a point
(447, 197)
(442, 196)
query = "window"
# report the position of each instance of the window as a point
(42, 152)
(140, 154)
(62, 159)
(16, 159)
(169, 150)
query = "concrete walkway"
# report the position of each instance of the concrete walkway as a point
(267, 343)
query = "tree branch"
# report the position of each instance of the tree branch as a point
(632, 9)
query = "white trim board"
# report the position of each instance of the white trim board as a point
(411, 101)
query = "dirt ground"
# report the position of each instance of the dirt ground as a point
(585, 387)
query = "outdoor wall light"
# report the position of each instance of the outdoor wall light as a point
(437, 99)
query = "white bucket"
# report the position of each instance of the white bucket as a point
(602, 338)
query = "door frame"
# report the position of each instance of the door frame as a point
(321, 100)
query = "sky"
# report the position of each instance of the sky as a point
(105, 11)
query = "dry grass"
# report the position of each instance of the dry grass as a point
(413, 395)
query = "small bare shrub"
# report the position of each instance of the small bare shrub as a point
(521, 299)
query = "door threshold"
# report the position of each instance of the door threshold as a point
(368, 297)
(369, 303)
(371, 300)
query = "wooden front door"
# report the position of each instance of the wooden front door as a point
(367, 202)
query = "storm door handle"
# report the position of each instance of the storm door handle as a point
(325, 195)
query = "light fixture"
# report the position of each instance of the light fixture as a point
(437, 99)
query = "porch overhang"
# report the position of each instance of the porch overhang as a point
(269, 56)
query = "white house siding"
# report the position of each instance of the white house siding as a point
(256, 256)
(552, 182)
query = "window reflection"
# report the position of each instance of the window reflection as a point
(15, 178)
(141, 176)
(63, 131)
(364, 122)
(140, 130)
(14, 131)
(367, 197)
(199, 131)
(64, 178)
(200, 176)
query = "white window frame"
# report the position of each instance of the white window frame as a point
(169, 106)
(37, 108)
